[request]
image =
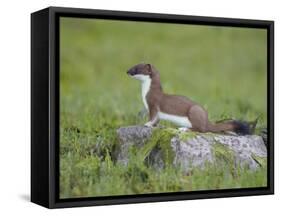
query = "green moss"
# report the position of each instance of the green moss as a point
(210, 134)
(184, 136)
(262, 161)
(160, 138)
(223, 155)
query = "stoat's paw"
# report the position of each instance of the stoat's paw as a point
(148, 124)
(183, 129)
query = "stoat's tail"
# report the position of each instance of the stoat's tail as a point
(239, 127)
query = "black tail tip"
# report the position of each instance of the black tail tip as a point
(242, 128)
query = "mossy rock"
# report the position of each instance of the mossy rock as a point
(162, 147)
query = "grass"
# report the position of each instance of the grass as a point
(223, 69)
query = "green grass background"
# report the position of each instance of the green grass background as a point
(222, 68)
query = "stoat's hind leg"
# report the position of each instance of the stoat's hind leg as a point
(183, 129)
(198, 118)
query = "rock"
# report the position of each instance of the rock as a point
(159, 147)
(131, 136)
(263, 134)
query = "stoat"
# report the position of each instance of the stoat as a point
(180, 110)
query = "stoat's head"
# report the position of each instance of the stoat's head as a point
(141, 72)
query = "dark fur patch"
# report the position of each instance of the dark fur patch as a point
(242, 128)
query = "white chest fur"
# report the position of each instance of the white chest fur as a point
(181, 121)
(145, 86)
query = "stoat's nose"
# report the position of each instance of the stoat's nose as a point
(130, 72)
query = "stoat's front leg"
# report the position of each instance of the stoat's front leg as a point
(183, 129)
(153, 117)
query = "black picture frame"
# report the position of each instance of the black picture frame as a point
(45, 106)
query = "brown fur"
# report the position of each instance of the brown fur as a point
(157, 100)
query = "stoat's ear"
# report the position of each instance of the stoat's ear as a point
(149, 68)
